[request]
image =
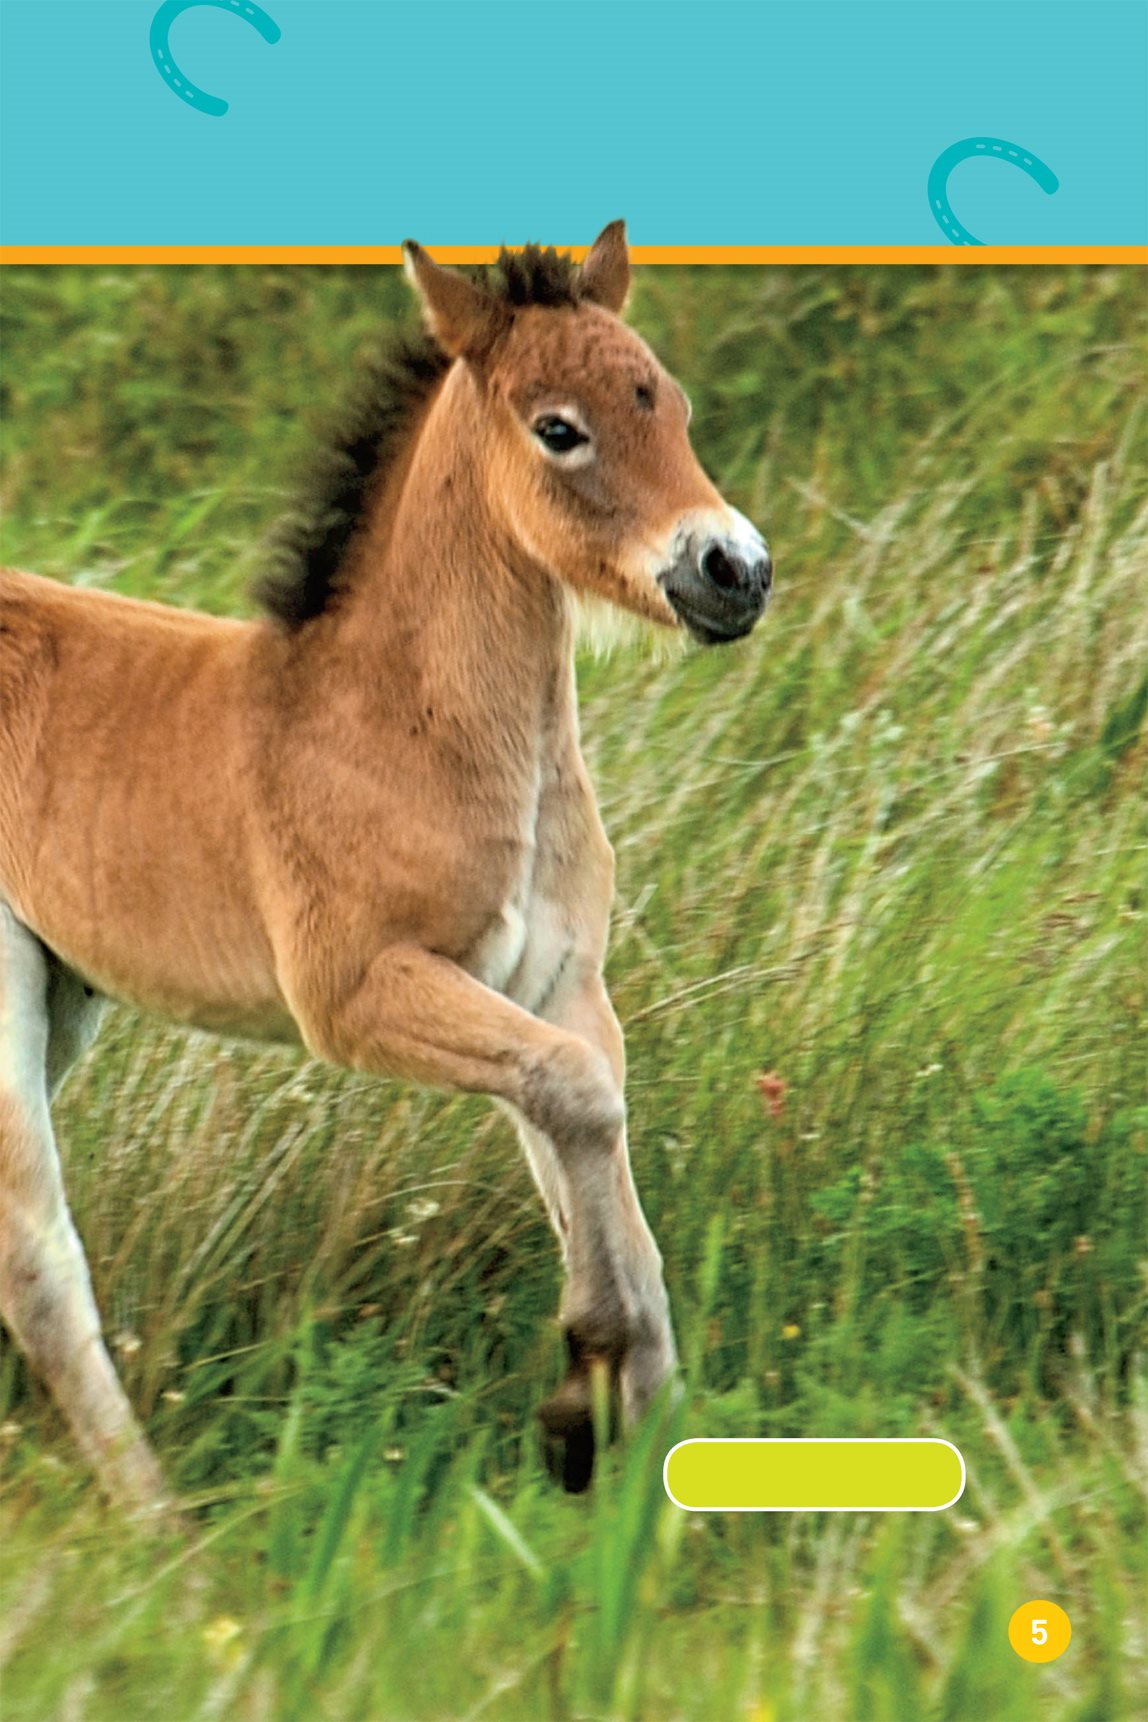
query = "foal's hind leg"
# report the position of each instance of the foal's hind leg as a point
(45, 1292)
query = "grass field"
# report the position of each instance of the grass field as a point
(891, 850)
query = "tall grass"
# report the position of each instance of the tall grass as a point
(891, 852)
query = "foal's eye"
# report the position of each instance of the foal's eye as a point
(558, 434)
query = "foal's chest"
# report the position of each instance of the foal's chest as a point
(556, 900)
(499, 949)
(524, 949)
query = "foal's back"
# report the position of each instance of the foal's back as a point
(119, 722)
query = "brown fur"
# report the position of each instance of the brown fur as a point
(371, 830)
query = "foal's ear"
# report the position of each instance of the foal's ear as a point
(462, 317)
(606, 271)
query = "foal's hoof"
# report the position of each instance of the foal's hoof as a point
(567, 1419)
(568, 1436)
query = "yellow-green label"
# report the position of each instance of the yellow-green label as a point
(859, 1476)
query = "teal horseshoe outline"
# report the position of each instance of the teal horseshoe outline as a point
(964, 151)
(173, 77)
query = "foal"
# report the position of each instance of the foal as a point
(363, 824)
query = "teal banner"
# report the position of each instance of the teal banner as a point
(351, 122)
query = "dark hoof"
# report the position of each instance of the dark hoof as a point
(570, 1457)
(567, 1420)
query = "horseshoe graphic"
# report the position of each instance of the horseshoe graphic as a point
(963, 151)
(166, 66)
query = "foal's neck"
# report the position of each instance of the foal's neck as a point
(442, 602)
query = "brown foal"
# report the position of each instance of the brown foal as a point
(363, 823)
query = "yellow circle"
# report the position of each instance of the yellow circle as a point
(1040, 1631)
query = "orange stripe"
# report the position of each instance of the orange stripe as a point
(774, 254)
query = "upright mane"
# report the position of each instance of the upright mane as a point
(304, 575)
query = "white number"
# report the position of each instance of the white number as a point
(1040, 1632)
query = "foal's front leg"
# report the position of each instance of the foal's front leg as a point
(633, 1264)
(416, 1014)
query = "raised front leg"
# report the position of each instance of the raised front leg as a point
(418, 1015)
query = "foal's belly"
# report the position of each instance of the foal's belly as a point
(253, 1018)
(209, 973)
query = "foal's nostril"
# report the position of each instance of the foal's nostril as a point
(763, 574)
(717, 565)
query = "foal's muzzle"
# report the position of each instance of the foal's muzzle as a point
(719, 583)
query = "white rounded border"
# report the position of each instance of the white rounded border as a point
(812, 1441)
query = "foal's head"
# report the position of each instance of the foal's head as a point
(588, 464)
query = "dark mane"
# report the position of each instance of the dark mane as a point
(303, 573)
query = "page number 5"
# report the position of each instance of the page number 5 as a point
(1039, 1631)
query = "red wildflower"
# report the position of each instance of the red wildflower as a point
(773, 1089)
